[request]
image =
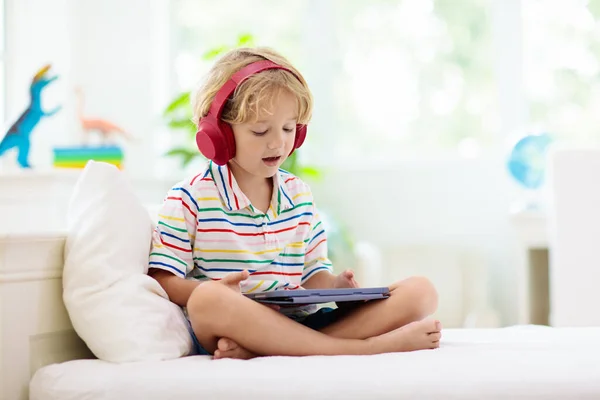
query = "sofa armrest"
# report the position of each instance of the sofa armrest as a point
(35, 329)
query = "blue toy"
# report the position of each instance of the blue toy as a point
(18, 136)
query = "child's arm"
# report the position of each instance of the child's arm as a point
(317, 267)
(327, 280)
(320, 280)
(171, 257)
(317, 273)
(178, 289)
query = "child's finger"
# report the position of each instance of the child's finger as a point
(351, 281)
(235, 278)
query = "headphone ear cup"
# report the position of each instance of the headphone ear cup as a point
(300, 135)
(227, 134)
(211, 142)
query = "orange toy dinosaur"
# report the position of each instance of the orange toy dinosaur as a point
(103, 127)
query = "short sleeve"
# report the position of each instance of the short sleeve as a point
(175, 233)
(316, 258)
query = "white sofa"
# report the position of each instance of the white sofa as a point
(37, 340)
(35, 329)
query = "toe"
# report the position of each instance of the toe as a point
(228, 354)
(225, 344)
(435, 337)
(237, 353)
(426, 325)
(434, 326)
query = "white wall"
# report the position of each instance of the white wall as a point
(118, 52)
(120, 57)
(37, 34)
(460, 205)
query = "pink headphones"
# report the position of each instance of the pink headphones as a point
(214, 137)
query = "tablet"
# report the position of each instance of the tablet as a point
(317, 296)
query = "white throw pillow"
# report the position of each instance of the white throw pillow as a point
(120, 312)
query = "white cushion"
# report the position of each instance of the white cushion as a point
(525, 362)
(120, 312)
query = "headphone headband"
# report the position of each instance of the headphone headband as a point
(236, 79)
(214, 137)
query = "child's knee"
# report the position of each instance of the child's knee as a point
(423, 294)
(427, 293)
(423, 285)
(204, 300)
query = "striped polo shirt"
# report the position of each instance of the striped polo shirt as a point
(208, 228)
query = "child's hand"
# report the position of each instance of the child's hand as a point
(345, 280)
(234, 279)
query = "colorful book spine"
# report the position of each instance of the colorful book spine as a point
(77, 157)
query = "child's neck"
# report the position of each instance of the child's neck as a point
(259, 190)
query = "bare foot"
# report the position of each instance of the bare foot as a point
(227, 348)
(419, 335)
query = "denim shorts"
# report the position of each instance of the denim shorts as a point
(318, 320)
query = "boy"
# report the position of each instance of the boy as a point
(243, 225)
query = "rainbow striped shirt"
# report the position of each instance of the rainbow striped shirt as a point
(208, 228)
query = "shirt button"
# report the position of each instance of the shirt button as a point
(270, 240)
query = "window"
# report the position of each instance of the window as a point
(415, 78)
(2, 63)
(202, 26)
(562, 68)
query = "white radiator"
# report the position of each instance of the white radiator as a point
(460, 276)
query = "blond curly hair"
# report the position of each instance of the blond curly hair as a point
(256, 94)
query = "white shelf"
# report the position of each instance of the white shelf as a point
(531, 227)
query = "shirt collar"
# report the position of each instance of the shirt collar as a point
(234, 199)
(281, 195)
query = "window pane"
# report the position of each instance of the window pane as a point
(389, 77)
(562, 70)
(2, 26)
(2, 61)
(205, 25)
(2, 95)
(417, 75)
